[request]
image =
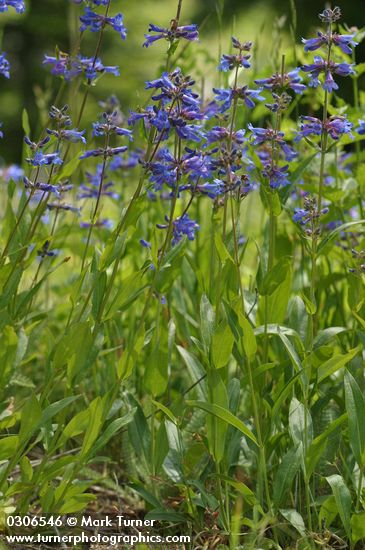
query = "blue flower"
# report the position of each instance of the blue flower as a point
(361, 128)
(343, 41)
(226, 96)
(18, 5)
(182, 226)
(335, 126)
(100, 152)
(62, 206)
(277, 176)
(69, 135)
(91, 190)
(4, 66)
(301, 216)
(328, 68)
(13, 172)
(144, 243)
(107, 127)
(279, 82)
(188, 32)
(70, 67)
(174, 87)
(1, 133)
(41, 159)
(221, 133)
(105, 222)
(233, 61)
(45, 187)
(212, 190)
(95, 22)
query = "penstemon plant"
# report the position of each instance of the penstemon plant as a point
(182, 296)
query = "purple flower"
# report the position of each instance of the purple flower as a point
(107, 127)
(279, 82)
(335, 126)
(13, 172)
(41, 159)
(70, 67)
(108, 224)
(91, 190)
(229, 62)
(62, 206)
(221, 133)
(18, 5)
(1, 133)
(95, 22)
(174, 87)
(343, 41)
(268, 135)
(328, 68)
(278, 177)
(69, 135)
(144, 243)
(361, 128)
(301, 216)
(100, 152)
(226, 96)
(330, 15)
(4, 66)
(188, 32)
(212, 190)
(45, 187)
(182, 226)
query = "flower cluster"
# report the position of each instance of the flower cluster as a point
(187, 32)
(69, 67)
(95, 22)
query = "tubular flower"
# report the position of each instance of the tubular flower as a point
(328, 68)
(95, 22)
(188, 32)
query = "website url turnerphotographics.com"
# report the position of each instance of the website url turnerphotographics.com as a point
(88, 530)
(84, 538)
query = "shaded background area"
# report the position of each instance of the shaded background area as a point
(48, 23)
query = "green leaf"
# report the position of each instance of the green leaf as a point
(285, 474)
(207, 320)
(318, 445)
(222, 344)
(357, 527)
(295, 519)
(274, 277)
(343, 499)
(31, 415)
(196, 371)
(300, 423)
(335, 363)
(248, 338)
(113, 428)
(8, 354)
(216, 428)
(8, 446)
(100, 280)
(165, 410)
(355, 407)
(95, 414)
(25, 122)
(225, 415)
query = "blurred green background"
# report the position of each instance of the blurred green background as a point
(47, 23)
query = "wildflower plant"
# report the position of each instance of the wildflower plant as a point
(182, 305)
